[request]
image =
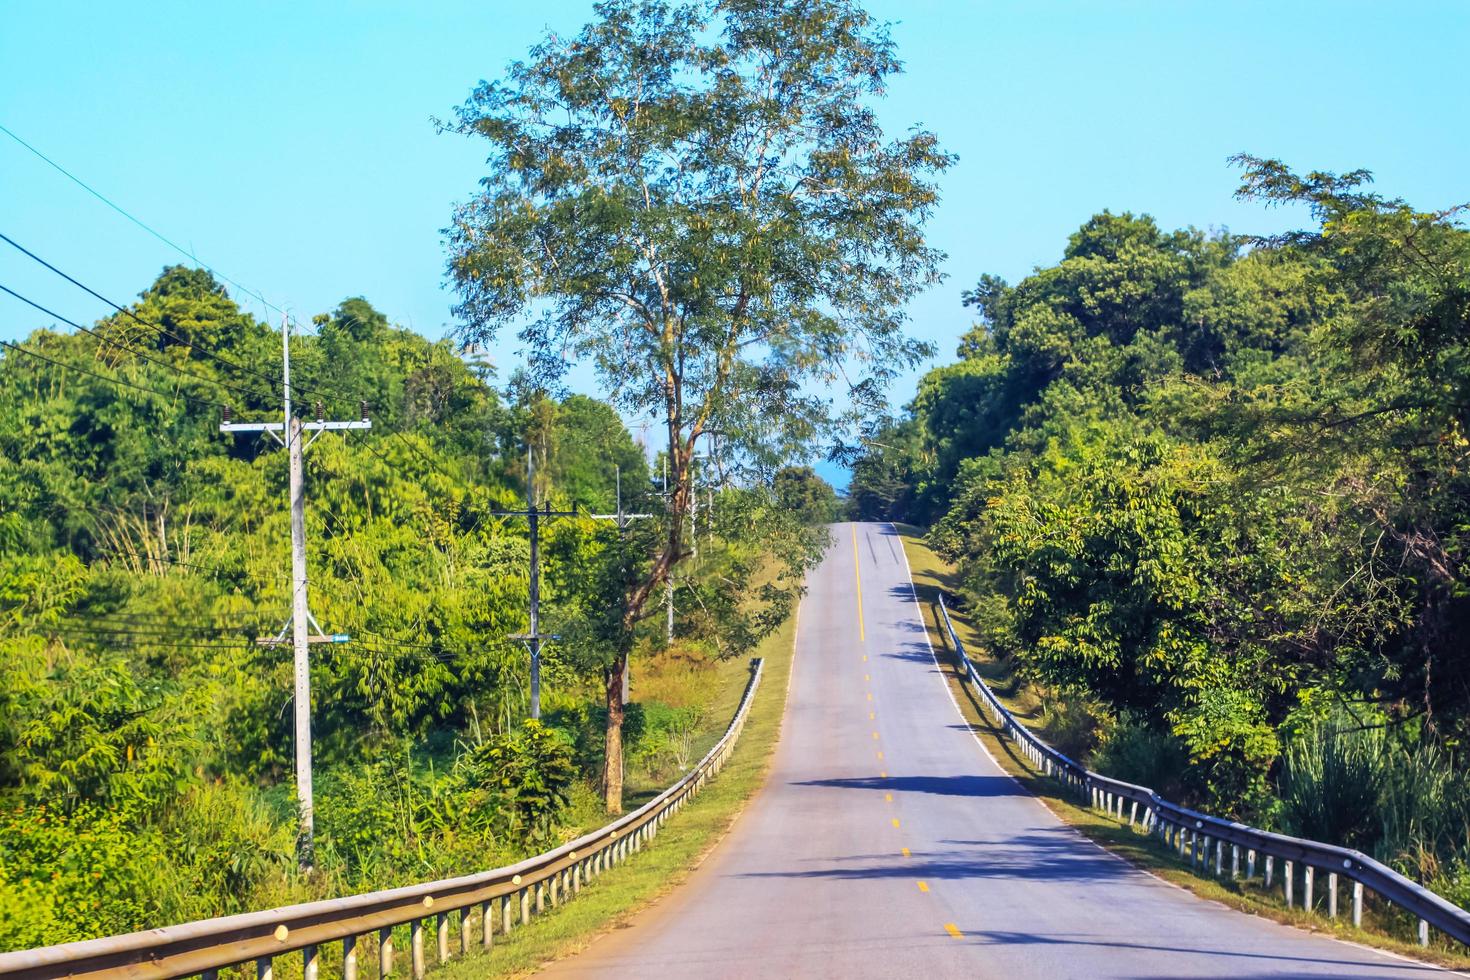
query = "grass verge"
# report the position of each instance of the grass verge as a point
(930, 574)
(683, 843)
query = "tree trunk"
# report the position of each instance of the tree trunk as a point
(612, 761)
(612, 766)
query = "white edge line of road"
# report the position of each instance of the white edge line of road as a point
(944, 680)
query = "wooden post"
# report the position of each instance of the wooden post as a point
(1308, 877)
(465, 914)
(264, 968)
(416, 945)
(1286, 871)
(1250, 863)
(1423, 932)
(349, 958)
(1270, 866)
(385, 952)
(1357, 905)
(1234, 861)
(443, 937)
(506, 915)
(487, 921)
(525, 905)
(1332, 894)
(310, 962)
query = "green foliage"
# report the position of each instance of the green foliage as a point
(528, 776)
(1134, 752)
(1218, 487)
(143, 732)
(67, 876)
(799, 490)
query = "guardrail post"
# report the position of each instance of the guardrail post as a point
(416, 948)
(487, 922)
(443, 937)
(553, 887)
(466, 916)
(1423, 932)
(385, 951)
(525, 905)
(1332, 894)
(506, 916)
(349, 958)
(1357, 905)
(1308, 877)
(1250, 863)
(1270, 867)
(310, 962)
(1234, 861)
(1287, 876)
(1133, 813)
(265, 968)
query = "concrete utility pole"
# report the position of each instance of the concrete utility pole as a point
(534, 517)
(623, 520)
(289, 432)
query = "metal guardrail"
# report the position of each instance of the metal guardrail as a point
(1195, 835)
(478, 901)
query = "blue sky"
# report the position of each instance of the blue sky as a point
(290, 144)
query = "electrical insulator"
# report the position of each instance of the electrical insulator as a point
(225, 413)
(364, 412)
(321, 413)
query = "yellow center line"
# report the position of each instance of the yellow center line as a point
(858, 575)
(895, 821)
(923, 886)
(865, 658)
(906, 852)
(870, 695)
(887, 797)
(875, 734)
(871, 716)
(866, 678)
(950, 928)
(880, 756)
(883, 774)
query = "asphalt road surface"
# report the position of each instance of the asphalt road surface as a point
(887, 843)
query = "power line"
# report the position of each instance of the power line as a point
(117, 343)
(127, 312)
(140, 223)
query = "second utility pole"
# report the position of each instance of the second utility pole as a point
(534, 638)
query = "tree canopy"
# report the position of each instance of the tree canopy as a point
(698, 199)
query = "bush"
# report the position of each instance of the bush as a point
(1132, 751)
(70, 876)
(666, 736)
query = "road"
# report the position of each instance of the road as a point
(887, 843)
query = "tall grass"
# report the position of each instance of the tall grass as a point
(1406, 804)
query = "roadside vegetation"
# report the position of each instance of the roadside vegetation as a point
(145, 741)
(1206, 497)
(1384, 927)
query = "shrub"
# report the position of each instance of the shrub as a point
(1134, 752)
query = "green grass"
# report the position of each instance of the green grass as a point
(931, 573)
(682, 844)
